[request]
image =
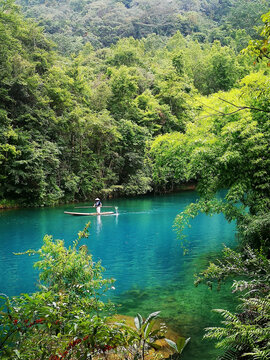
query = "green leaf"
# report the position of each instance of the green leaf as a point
(17, 353)
(154, 346)
(180, 343)
(172, 344)
(152, 316)
(148, 329)
(138, 320)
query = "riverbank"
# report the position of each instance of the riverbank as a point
(5, 205)
(12, 204)
(164, 349)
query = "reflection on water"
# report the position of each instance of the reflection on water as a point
(99, 224)
(140, 250)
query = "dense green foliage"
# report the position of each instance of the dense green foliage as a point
(226, 152)
(170, 100)
(67, 317)
(71, 128)
(72, 23)
(261, 47)
(227, 149)
(245, 334)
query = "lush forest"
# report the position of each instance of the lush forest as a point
(80, 125)
(73, 23)
(120, 98)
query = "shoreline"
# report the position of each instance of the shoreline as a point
(12, 205)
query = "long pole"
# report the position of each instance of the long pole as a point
(87, 207)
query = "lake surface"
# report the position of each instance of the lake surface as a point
(140, 249)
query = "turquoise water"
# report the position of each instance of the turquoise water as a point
(140, 250)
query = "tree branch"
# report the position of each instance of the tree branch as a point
(242, 107)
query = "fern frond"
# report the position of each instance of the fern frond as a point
(258, 354)
(230, 354)
(228, 315)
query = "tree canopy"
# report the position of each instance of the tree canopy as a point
(77, 126)
(73, 23)
(140, 96)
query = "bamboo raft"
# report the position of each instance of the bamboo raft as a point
(88, 214)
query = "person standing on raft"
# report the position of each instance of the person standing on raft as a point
(97, 205)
